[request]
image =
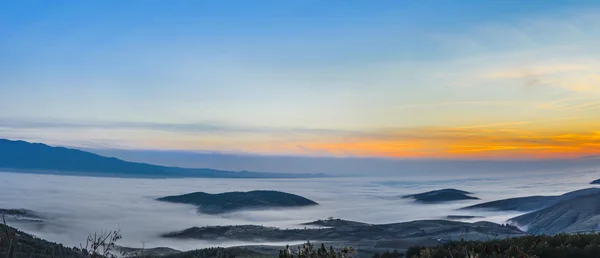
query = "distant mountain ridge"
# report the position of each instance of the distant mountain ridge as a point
(24, 156)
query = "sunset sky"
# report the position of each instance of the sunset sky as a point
(409, 79)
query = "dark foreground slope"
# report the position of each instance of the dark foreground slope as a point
(24, 156)
(531, 203)
(26, 245)
(233, 201)
(557, 246)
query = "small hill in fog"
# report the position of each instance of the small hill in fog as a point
(233, 201)
(443, 195)
(331, 222)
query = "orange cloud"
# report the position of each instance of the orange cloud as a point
(468, 142)
(568, 137)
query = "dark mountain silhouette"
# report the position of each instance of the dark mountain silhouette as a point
(443, 195)
(232, 201)
(21, 156)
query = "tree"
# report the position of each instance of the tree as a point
(308, 251)
(101, 245)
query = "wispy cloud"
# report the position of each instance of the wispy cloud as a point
(456, 103)
(505, 124)
(528, 139)
(532, 51)
(470, 143)
(198, 128)
(538, 70)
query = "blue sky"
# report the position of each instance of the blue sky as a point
(298, 76)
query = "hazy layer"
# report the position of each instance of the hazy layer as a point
(77, 206)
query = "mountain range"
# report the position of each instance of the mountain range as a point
(22, 156)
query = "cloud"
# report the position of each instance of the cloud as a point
(537, 50)
(456, 103)
(575, 104)
(508, 140)
(199, 128)
(505, 124)
(491, 141)
(312, 152)
(537, 70)
(510, 74)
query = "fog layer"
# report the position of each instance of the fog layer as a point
(76, 206)
(344, 166)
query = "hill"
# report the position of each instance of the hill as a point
(531, 203)
(21, 156)
(19, 212)
(331, 222)
(578, 214)
(443, 195)
(360, 235)
(21, 215)
(232, 201)
(219, 252)
(26, 245)
(462, 217)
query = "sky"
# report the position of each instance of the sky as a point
(399, 79)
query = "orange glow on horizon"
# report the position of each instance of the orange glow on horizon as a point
(465, 143)
(557, 139)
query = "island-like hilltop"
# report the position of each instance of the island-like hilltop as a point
(443, 195)
(333, 222)
(233, 201)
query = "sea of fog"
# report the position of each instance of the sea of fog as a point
(77, 205)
